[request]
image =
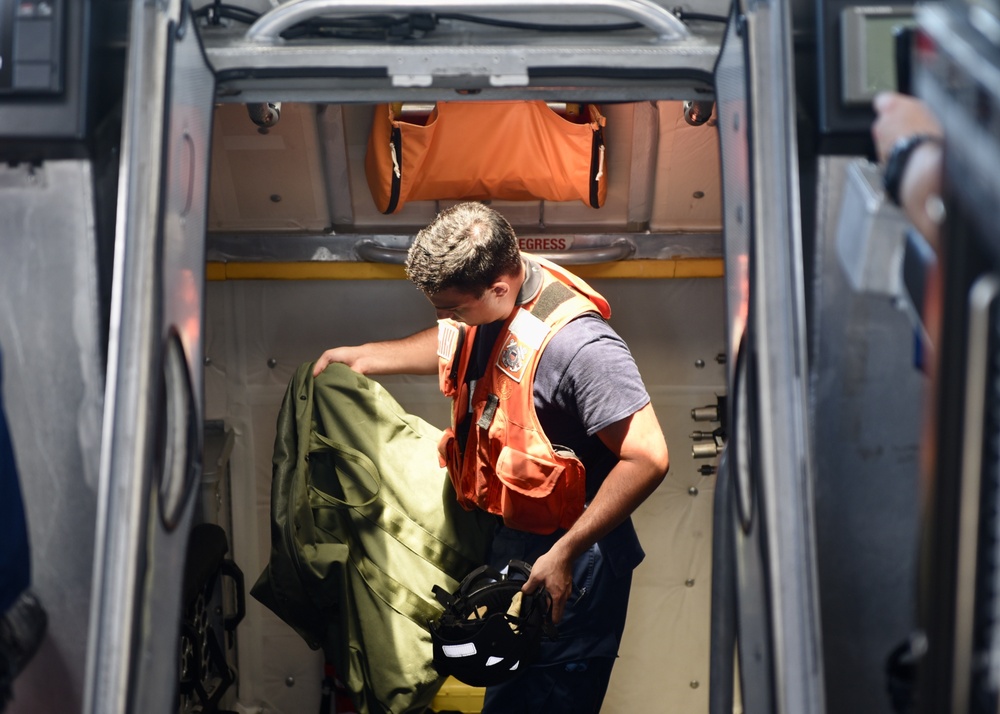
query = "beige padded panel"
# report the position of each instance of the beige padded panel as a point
(687, 164)
(661, 171)
(266, 181)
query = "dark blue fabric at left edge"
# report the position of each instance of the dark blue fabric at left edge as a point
(15, 563)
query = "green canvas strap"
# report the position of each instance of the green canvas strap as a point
(395, 594)
(355, 456)
(394, 522)
(418, 539)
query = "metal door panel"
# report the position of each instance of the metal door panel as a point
(151, 445)
(776, 599)
(52, 387)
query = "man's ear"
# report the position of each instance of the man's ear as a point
(500, 288)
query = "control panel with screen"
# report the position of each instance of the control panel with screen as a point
(856, 57)
(869, 49)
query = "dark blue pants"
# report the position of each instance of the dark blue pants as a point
(569, 688)
(15, 565)
(572, 673)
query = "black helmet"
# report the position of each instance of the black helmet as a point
(482, 639)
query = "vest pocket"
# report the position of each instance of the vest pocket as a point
(538, 495)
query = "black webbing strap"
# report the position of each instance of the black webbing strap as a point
(489, 411)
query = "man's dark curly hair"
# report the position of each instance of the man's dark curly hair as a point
(468, 247)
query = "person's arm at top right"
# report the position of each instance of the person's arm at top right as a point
(899, 116)
(416, 354)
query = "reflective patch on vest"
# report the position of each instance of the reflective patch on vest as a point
(447, 338)
(528, 329)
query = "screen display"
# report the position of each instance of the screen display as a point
(880, 51)
(868, 50)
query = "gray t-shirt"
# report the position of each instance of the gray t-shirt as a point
(586, 380)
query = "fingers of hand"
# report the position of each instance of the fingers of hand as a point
(532, 584)
(556, 590)
(559, 606)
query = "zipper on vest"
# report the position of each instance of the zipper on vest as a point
(457, 355)
(396, 152)
(596, 166)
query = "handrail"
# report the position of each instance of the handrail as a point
(371, 251)
(268, 28)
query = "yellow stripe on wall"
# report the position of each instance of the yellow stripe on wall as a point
(641, 269)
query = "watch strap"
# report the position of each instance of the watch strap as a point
(899, 157)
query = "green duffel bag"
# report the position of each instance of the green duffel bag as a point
(364, 524)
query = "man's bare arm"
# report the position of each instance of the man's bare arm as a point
(416, 354)
(643, 461)
(899, 116)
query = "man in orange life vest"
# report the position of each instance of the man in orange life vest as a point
(547, 400)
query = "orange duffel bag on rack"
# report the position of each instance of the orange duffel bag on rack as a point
(504, 150)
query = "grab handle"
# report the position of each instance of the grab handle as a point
(268, 28)
(371, 251)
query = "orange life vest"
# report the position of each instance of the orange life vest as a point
(508, 466)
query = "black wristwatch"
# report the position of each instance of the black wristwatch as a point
(895, 165)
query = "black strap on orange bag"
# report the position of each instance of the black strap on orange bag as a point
(503, 150)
